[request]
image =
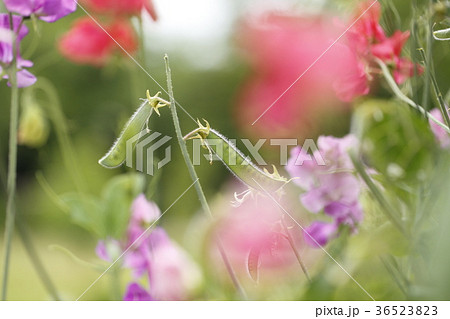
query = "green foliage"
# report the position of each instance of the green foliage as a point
(106, 216)
(396, 141)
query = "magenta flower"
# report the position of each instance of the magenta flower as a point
(45, 10)
(135, 292)
(24, 78)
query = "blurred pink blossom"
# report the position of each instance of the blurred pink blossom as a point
(150, 253)
(441, 134)
(280, 48)
(256, 226)
(368, 41)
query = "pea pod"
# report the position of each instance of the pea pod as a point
(239, 165)
(118, 152)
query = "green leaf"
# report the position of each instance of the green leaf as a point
(85, 211)
(117, 198)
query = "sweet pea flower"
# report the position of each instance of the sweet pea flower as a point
(45, 10)
(334, 151)
(173, 273)
(24, 77)
(88, 43)
(440, 133)
(331, 188)
(122, 7)
(368, 41)
(150, 253)
(319, 233)
(136, 292)
(255, 226)
(280, 48)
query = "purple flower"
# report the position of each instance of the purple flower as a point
(319, 233)
(171, 272)
(439, 132)
(24, 78)
(331, 188)
(348, 214)
(46, 10)
(334, 151)
(143, 214)
(136, 293)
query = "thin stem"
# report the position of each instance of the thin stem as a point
(388, 210)
(294, 249)
(40, 269)
(194, 177)
(429, 46)
(12, 165)
(406, 99)
(437, 91)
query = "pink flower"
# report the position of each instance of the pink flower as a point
(122, 7)
(280, 49)
(87, 43)
(256, 226)
(440, 133)
(144, 213)
(368, 41)
(173, 274)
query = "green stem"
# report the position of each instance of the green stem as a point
(12, 166)
(387, 209)
(406, 99)
(194, 177)
(429, 43)
(40, 269)
(294, 249)
(437, 91)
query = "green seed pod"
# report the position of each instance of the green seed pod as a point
(117, 154)
(442, 35)
(238, 164)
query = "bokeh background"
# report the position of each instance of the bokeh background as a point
(211, 65)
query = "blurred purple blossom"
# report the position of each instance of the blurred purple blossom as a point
(45, 10)
(24, 78)
(171, 273)
(331, 188)
(135, 292)
(319, 233)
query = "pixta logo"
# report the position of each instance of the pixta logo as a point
(141, 148)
